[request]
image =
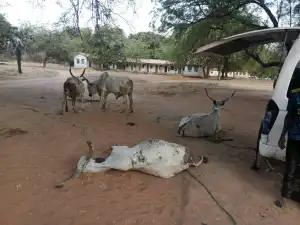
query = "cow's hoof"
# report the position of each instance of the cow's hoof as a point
(255, 167)
(131, 111)
(280, 203)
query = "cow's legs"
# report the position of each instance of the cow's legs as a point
(82, 103)
(73, 105)
(124, 103)
(104, 99)
(130, 103)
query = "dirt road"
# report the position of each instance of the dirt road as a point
(33, 162)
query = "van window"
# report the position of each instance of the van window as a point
(295, 82)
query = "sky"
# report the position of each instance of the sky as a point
(20, 11)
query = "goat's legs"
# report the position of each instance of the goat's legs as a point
(130, 103)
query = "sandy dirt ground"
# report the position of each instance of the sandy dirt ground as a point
(45, 149)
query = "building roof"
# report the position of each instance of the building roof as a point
(81, 53)
(151, 61)
(236, 43)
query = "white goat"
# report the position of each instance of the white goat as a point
(203, 124)
(74, 88)
(106, 84)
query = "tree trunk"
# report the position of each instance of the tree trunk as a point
(219, 72)
(206, 72)
(224, 69)
(45, 61)
(19, 59)
(203, 71)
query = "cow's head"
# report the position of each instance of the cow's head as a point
(217, 104)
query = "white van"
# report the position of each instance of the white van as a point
(267, 143)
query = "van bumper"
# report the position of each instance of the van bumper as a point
(270, 151)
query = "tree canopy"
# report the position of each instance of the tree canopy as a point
(190, 24)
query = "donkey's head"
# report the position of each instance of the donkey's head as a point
(217, 104)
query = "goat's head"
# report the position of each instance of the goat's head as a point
(217, 104)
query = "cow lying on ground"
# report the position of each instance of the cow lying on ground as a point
(155, 157)
(203, 124)
(106, 84)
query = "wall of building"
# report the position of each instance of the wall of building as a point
(80, 61)
(143, 68)
(192, 71)
(214, 73)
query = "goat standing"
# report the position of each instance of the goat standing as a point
(74, 88)
(106, 84)
(203, 124)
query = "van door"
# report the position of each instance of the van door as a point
(288, 79)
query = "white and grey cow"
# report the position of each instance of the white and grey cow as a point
(106, 84)
(203, 124)
(155, 157)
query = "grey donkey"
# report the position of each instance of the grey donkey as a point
(106, 84)
(203, 124)
(74, 88)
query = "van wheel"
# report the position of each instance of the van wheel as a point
(256, 163)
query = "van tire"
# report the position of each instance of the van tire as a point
(256, 163)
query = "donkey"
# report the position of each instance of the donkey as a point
(74, 88)
(106, 84)
(203, 124)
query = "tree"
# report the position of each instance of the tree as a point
(136, 49)
(101, 12)
(153, 42)
(181, 16)
(107, 45)
(5, 32)
(18, 43)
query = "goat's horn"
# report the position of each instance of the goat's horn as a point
(70, 70)
(208, 95)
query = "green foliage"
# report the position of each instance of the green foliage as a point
(152, 41)
(136, 49)
(5, 32)
(195, 23)
(107, 45)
